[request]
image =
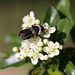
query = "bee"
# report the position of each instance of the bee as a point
(31, 31)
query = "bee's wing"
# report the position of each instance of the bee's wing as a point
(24, 34)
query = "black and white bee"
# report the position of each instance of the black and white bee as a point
(31, 31)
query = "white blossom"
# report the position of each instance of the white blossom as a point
(48, 30)
(52, 49)
(29, 20)
(36, 48)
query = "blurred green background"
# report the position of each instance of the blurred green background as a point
(11, 14)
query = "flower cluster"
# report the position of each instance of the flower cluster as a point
(36, 47)
(30, 20)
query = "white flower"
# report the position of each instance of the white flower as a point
(52, 49)
(34, 60)
(52, 54)
(48, 30)
(29, 20)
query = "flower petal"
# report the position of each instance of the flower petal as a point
(46, 49)
(52, 29)
(31, 14)
(24, 25)
(56, 44)
(46, 57)
(47, 36)
(34, 60)
(41, 56)
(51, 55)
(57, 52)
(50, 43)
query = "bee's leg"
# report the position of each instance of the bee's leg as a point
(40, 36)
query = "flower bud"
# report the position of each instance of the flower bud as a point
(46, 57)
(15, 49)
(37, 21)
(60, 47)
(45, 41)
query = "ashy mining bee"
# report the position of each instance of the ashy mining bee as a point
(31, 31)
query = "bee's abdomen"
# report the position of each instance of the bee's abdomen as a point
(24, 34)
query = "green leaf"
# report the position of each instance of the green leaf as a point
(70, 68)
(72, 34)
(10, 61)
(13, 40)
(51, 16)
(37, 71)
(2, 54)
(63, 28)
(64, 8)
(65, 56)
